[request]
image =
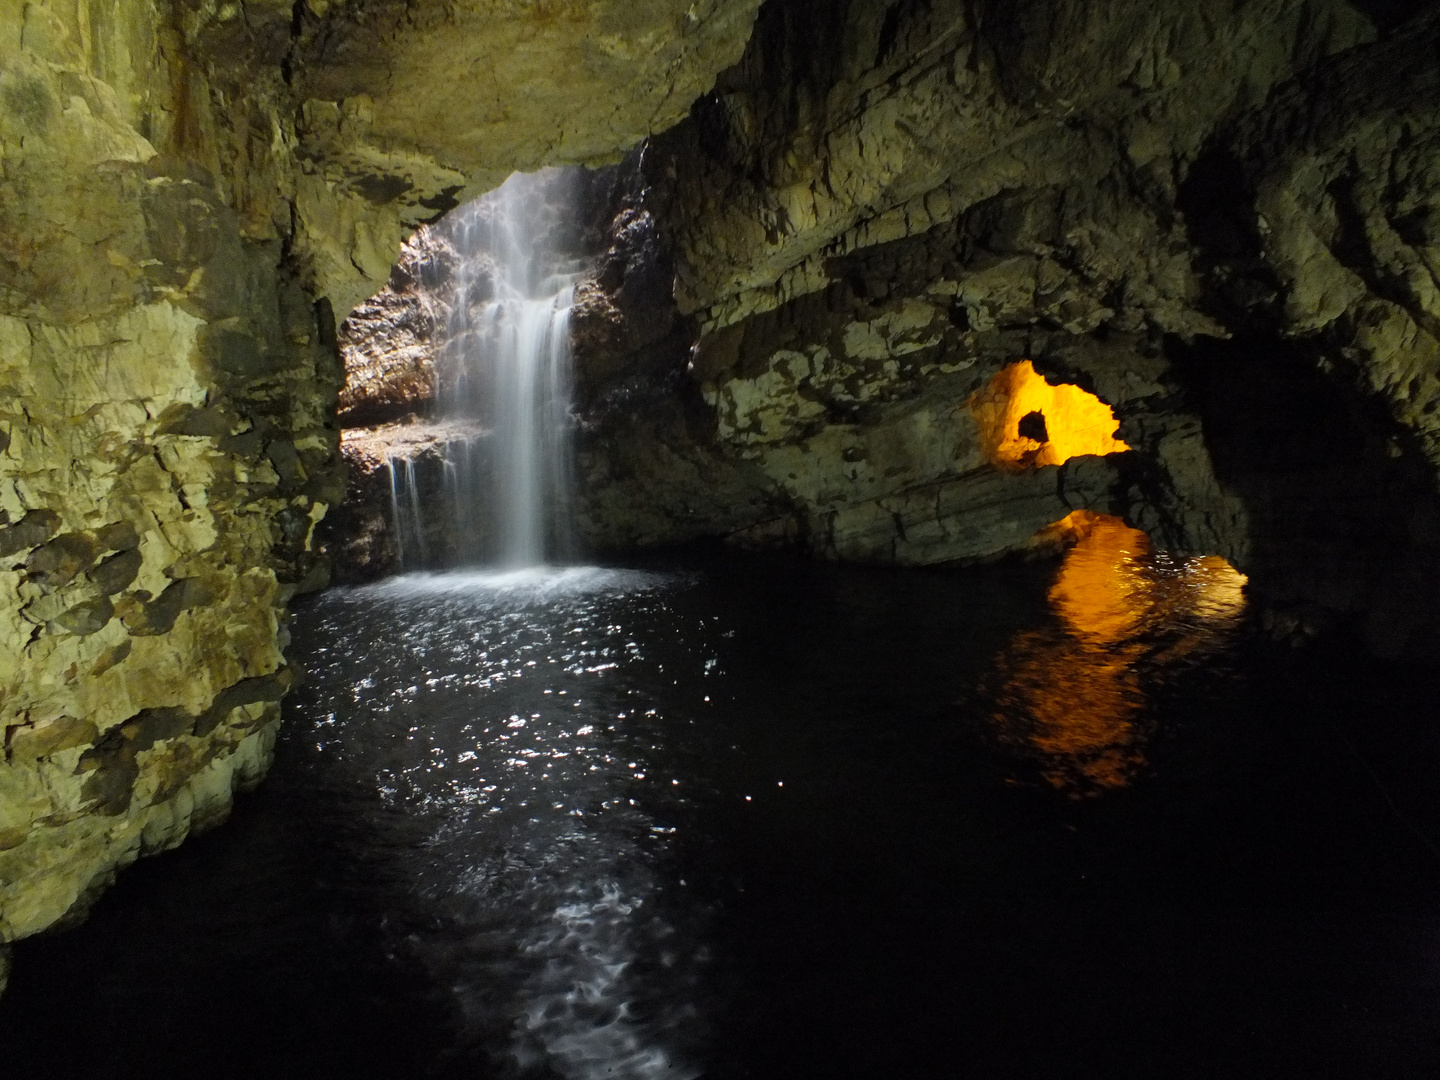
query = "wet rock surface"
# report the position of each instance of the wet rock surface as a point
(389, 341)
(404, 460)
(169, 448)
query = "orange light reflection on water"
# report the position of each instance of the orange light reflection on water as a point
(1071, 695)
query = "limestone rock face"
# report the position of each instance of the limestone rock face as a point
(167, 450)
(1309, 218)
(405, 459)
(189, 195)
(444, 81)
(409, 109)
(850, 124)
(389, 341)
(882, 205)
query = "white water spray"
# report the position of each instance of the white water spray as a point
(507, 359)
(504, 367)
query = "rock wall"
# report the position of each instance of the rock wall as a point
(167, 449)
(1218, 219)
(189, 195)
(1221, 220)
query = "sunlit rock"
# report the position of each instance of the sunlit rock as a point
(190, 199)
(1026, 421)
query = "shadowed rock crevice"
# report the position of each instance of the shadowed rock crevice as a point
(1341, 523)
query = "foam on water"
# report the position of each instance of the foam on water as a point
(529, 586)
(578, 1017)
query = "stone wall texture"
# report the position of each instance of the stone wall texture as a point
(1218, 217)
(190, 195)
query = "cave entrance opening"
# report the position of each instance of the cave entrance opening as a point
(505, 363)
(1026, 421)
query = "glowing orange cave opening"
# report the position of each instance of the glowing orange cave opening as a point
(1025, 420)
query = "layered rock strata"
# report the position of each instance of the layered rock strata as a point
(168, 448)
(883, 205)
(1218, 220)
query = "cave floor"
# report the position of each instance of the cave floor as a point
(760, 819)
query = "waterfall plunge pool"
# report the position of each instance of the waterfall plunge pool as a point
(761, 819)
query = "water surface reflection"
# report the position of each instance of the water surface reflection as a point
(730, 823)
(501, 722)
(1072, 693)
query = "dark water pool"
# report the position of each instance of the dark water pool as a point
(767, 820)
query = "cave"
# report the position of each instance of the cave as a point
(739, 539)
(1026, 421)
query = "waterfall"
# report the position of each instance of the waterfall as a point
(406, 518)
(503, 369)
(507, 356)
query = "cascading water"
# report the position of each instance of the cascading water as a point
(405, 516)
(504, 365)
